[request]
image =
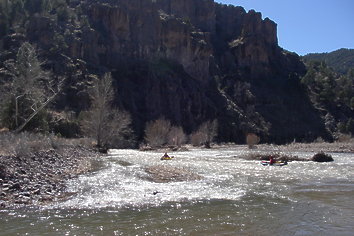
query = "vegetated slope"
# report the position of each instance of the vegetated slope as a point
(333, 94)
(330, 84)
(341, 60)
(188, 61)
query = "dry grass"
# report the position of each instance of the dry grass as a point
(346, 146)
(27, 143)
(344, 138)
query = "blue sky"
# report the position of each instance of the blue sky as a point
(306, 26)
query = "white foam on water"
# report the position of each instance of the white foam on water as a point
(125, 183)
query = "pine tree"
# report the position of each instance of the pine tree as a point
(31, 88)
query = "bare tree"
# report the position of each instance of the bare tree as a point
(196, 138)
(205, 134)
(176, 136)
(102, 122)
(156, 132)
(119, 130)
(252, 140)
(30, 88)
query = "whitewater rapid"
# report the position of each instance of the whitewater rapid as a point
(233, 196)
(123, 181)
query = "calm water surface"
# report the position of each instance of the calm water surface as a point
(234, 197)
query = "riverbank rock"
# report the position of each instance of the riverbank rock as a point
(322, 157)
(40, 177)
(277, 156)
(165, 174)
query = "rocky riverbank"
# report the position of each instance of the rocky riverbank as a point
(39, 178)
(165, 174)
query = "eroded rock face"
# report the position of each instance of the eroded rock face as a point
(250, 43)
(207, 40)
(188, 32)
(186, 60)
(145, 30)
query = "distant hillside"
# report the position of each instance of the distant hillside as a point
(341, 60)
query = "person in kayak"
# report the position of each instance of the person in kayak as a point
(271, 160)
(166, 156)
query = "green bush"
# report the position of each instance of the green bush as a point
(67, 129)
(39, 123)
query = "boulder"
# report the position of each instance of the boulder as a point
(322, 157)
(2, 172)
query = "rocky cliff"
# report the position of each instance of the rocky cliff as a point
(186, 60)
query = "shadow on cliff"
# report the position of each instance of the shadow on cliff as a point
(285, 104)
(161, 88)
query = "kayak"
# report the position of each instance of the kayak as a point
(277, 163)
(166, 158)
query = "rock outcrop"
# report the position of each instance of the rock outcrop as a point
(145, 30)
(186, 60)
(322, 157)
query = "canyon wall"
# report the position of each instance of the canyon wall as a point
(186, 60)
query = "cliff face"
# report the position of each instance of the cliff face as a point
(191, 33)
(186, 60)
(144, 30)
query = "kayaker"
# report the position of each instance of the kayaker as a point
(271, 160)
(166, 156)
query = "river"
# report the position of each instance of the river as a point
(233, 197)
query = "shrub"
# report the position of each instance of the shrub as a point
(197, 138)
(26, 143)
(205, 134)
(66, 128)
(251, 140)
(176, 136)
(343, 138)
(156, 132)
(23, 143)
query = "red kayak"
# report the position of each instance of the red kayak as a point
(277, 163)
